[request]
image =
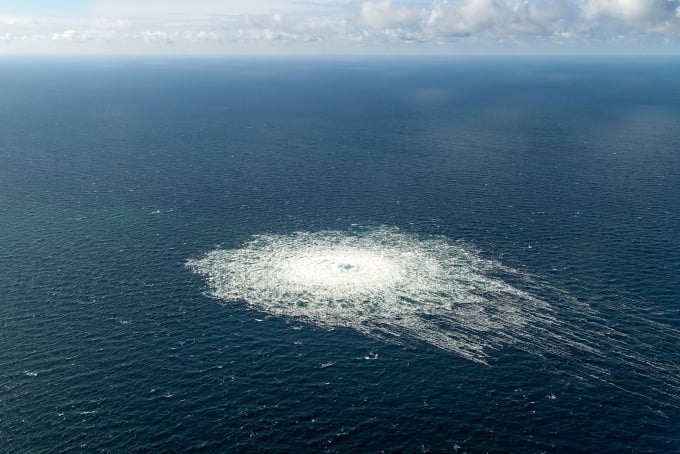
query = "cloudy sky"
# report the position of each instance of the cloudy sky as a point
(338, 26)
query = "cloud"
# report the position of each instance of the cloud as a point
(111, 24)
(464, 17)
(638, 19)
(224, 26)
(66, 35)
(150, 36)
(636, 11)
(385, 14)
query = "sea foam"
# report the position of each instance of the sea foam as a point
(381, 282)
(402, 287)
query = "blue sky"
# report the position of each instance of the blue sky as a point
(41, 7)
(339, 26)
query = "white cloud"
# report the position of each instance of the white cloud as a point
(549, 11)
(639, 11)
(66, 35)
(347, 25)
(387, 14)
(198, 36)
(111, 24)
(10, 20)
(464, 17)
(637, 19)
(150, 36)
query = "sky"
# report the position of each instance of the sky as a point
(206, 27)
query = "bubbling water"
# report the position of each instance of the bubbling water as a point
(381, 282)
(336, 268)
(397, 286)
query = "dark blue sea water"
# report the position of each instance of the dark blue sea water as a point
(114, 173)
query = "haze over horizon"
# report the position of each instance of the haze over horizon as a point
(107, 27)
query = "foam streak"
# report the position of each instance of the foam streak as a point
(395, 286)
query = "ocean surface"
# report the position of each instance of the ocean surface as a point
(340, 255)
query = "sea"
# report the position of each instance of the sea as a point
(340, 254)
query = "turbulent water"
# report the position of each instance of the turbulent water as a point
(392, 285)
(397, 255)
(378, 281)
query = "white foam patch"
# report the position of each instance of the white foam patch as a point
(380, 282)
(398, 286)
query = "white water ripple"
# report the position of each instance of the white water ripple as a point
(395, 286)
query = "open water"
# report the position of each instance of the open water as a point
(335, 255)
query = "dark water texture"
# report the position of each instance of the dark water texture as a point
(114, 172)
